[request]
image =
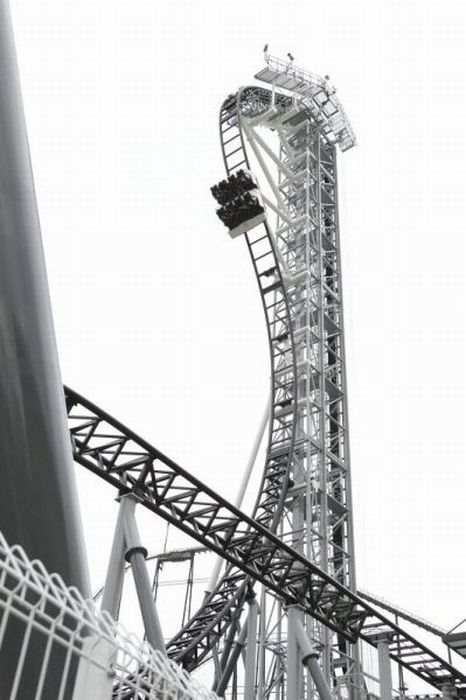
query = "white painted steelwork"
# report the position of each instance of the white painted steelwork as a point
(314, 92)
(98, 658)
(289, 135)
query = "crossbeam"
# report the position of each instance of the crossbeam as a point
(115, 453)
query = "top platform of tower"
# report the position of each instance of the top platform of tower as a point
(313, 93)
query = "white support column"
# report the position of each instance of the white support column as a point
(293, 666)
(136, 555)
(127, 545)
(234, 656)
(251, 649)
(116, 570)
(310, 658)
(218, 562)
(93, 678)
(385, 670)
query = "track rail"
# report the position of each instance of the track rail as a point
(403, 614)
(285, 449)
(119, 456)
(224, 605)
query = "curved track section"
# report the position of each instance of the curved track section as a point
(122, 458)
(223, 606)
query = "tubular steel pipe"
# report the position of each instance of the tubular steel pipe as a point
(251, 650)
(310, 660)
(230, 667)
(136, 555)
(114, 579)
(218, 562)
(385, 670)
(38, 498)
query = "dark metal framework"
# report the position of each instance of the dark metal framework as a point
(115, 453)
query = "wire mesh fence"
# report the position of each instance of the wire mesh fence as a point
(55, 645)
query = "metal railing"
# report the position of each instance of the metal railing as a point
(67, 648)
(314, 91)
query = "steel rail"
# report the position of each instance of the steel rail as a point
(404, 614)
(218, 612)
(185, 506)
(221, 607)
(119, 456)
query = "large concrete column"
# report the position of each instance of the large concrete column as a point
(38, 500)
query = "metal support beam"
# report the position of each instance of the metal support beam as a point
(293, 666)
(136, 556)
(116, 571)
(251, 649)
(385, 670)
(230, 667)
(127, 546)
(310, 660)
(99, 440)
(242, 488)
(38, 497)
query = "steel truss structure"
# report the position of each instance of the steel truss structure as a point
(298, 542)
(119, 456)
(299, 169)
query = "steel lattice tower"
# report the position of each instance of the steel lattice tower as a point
(284, 620)
(288, 593)
(290, 136)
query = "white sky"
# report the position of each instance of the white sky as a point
(156, 311)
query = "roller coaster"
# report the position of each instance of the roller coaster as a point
(298, 541)
(282, 617)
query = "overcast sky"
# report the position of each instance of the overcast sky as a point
(156, 311)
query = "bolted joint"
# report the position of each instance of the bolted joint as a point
(138, 549)
(251, 594)
(310, 655)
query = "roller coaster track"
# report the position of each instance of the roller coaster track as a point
(404, 614)
(223, 606)
(281, 305)
(119, 456)
(247, 543)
